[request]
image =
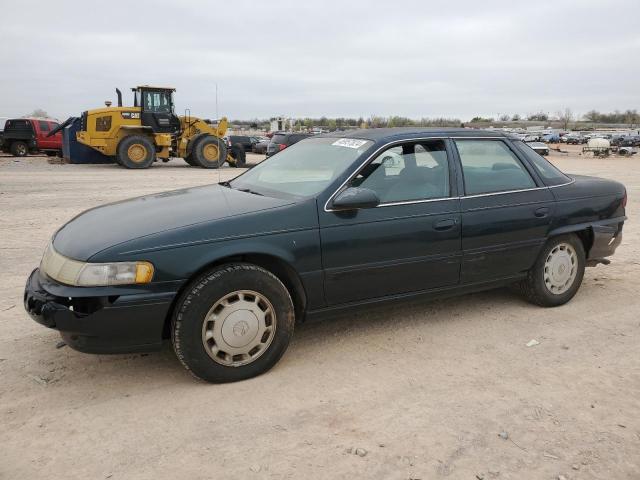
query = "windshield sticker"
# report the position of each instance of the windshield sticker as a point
(349, 143)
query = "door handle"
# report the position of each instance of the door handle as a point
(446, 224)
(541, 212)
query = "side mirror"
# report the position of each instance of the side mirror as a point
(355, 197)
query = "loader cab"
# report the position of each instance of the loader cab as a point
(156, 108)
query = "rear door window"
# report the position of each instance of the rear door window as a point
(489, 166)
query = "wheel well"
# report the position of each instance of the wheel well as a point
(281, 269)
(586, 237)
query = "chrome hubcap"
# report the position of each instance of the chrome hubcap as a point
(560, 268)
(239, 328)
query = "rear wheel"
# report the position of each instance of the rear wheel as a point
(19, 149)
(209, 152)
(136, 151)
(557, 274)
(232, 323)
(238, 154)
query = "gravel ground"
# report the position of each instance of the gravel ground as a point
(407, 391)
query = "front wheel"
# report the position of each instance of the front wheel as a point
(232, 323)
(557, 274)
(209, 152)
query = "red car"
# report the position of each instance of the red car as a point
(22, 136)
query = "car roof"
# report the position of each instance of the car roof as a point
(34, 119)
(401, 133)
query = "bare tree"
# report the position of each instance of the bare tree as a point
(565, 117)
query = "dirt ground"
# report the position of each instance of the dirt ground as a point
(421, 390)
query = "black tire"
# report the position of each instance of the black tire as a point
(189, 159)
(238, 154)
(534, 287)
(19, 149)
(209, 152)
(136, 152)
(193, 306)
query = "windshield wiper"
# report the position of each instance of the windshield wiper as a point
(248, 190)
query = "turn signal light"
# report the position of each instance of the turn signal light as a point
(144, 272)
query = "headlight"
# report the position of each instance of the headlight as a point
(82, 274)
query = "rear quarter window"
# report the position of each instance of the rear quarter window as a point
(549, 173)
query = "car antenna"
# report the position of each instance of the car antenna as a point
(218, 120)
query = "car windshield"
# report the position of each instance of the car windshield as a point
(302, 170)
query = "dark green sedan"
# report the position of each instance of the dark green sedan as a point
(334, 222)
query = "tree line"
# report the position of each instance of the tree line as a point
(340, 123)
(564, 117)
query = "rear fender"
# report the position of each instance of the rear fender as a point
(600, 238)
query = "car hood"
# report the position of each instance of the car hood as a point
(103, 227)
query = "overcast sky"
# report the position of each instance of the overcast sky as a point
(334, 58)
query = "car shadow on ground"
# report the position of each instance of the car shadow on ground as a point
(310, 340)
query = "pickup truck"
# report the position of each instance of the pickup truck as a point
(22, 136)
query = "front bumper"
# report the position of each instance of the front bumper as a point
(98, 323)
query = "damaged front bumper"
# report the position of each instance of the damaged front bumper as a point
(94, 320)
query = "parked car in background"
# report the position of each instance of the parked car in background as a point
(23, 136)
(282, 140)
(551, 138)
(261, 146)
(574, 139)
(531, 138)
(334, 222)
(539, 147)
(630, 141)
(247, 142)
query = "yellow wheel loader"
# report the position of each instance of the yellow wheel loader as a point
(137, 136)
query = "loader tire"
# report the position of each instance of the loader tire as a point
(189, 159)
(239, 156)
(136, 151)
(209, 152)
